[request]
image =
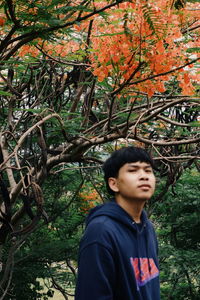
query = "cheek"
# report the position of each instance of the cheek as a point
(154, 182)
(124, 183)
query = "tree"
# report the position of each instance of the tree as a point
(177, 219)
(47, 258)
(78, 75)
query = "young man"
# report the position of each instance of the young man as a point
(118, 252)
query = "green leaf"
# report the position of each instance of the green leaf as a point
(28, 110)
(110, 34)
(194, 124)
(3, 93)
(195, 49)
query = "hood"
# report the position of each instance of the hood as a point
(116, 212)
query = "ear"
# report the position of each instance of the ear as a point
(112, 182)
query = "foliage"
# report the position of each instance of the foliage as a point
(79, 79)
(51, 250)
(178, 224)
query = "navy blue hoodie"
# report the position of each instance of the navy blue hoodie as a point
(117, 257)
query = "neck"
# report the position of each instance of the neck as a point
(133, 208)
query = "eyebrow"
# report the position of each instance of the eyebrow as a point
(135, 165)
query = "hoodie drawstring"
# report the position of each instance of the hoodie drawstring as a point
(139, 262)
(147, 247)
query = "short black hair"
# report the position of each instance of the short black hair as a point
(122, 156)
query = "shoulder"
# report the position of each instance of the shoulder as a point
(150, 225)
(102, 225)
(152, 233)
(100, 230)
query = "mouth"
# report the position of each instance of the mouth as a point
(144, 186)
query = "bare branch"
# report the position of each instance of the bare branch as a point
(171, 143)
(8, 165)
(128, 81)
(22, 138)
(190, 29)
(179, 157)
(12, 12)
(170, 121)
(30, 36)
(14, 91)
(68, 63)
(165, 73)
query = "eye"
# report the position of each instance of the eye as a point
(149, 170)
(132, 170)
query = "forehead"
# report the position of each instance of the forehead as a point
(138, 164)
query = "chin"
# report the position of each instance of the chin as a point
(144, 198)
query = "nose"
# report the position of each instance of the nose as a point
(143, 175)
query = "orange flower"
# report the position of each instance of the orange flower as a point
(2, 20)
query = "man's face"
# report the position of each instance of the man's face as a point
(135, 181)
